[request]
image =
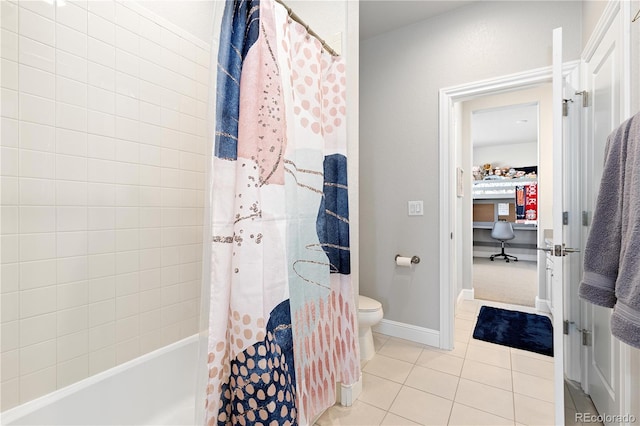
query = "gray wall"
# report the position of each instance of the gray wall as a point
(401, 73)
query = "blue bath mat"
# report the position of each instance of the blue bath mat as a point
(521, 330)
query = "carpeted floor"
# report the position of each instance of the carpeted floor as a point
(513, 282)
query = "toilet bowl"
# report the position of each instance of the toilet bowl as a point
(369, 314)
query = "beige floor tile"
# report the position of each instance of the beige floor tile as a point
(533, 366)
(535, 387)
(421, 407)
(532, 355)
(467, 306)
(388, 368)
(379, 340)
(394, 420)
(440, 361)
(468, 315)
(487, 374)
(463, 334)
(496, 356)
(485, 398)
(377, 391)
(433, 381)
(532, 411)
(359, 413)
(464, 324)
(404, 350)
(462, 415)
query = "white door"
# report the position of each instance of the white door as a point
(602, 79)
(557, 209)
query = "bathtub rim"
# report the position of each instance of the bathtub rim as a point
(22, 410)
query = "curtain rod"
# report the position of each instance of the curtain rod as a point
(299, 20)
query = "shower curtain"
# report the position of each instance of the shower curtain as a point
(282, 317)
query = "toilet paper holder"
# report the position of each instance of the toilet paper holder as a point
(414, 259)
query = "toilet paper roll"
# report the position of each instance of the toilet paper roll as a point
(403, 261)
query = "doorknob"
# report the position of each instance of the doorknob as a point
(559, 250)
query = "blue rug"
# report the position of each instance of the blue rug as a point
(529, 332)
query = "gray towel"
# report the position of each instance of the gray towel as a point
(612, 254)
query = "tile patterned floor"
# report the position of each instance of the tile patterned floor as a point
(478, 383)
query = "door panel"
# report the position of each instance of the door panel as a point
(602, 79)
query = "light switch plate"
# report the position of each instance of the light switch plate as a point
(415, 208)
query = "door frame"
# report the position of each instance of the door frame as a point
(448, 235)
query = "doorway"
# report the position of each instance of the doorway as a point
(502, 140)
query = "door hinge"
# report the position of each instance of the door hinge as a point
(565, 107)
(585, 218)
(565, 327)
(585, 98)
(565, 218)
(586, 338)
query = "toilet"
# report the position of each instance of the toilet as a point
(369, 314)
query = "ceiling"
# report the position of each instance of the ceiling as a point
(506, 125)
(381, 16)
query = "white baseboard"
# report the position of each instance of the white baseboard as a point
(347, 394)
(542, 305)
(425, 336)
(466, 294)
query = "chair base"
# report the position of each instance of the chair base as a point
(503, 255)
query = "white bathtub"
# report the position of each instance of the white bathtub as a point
(155, 389)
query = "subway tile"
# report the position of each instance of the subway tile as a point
(101, 147)
(126, 261)
(80, 3)
(37, 27)
(69, 193)
(8, 44)
(127, 284)
(150, 155)
(72, 345)
(102, 100)
(149, 29)
(71, 66)
(37, 219)
(170, 40)
(38, 383)
(101, 29)
(40, 7)
(73, 295)
(37, 192)
(127, 174)
(170, 159)
(102, 359)
(150, 50)
(127, 85)
(71, 218)
(127, 195)
(37, 110)
(9, 389)
(101, 265)
(150, 341)
(71, 117)
(101, 218)
(9, 106)
(37, 137)
(36, 54)
(127, 350)
(9, 365)
(151, 134)
(72, 371)
(129, 130)
(9, 132)
(127, 41)
(9, 162)
(149, 92)
(150, 279)
(10, 335)
(101, 124)
(72, 16)
(71, 244)
(37, 246)
(37, 82)
(150, 258)
(102, 313)
(126, 240)
(104, 9)
(10, 303)
(127, 18)
(37, 274)
(126, 106)
(127, 217)
(72, 320)
(170, 118)
(127, 63)
(38, 356)
(9, 78)
(71, 142)
(37, 164)
(71, 41)
(101, 53)
(9, 16)
(69, 167)
(101, 76)
(171, 99)
(101, 242)
(127, 328)
(9, 224)
(72, 269)
(102, 336)
(37, 301)
(102, 195)
(150, 238)
(71, 91)
(101, 289)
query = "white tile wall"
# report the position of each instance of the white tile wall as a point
(102, 177)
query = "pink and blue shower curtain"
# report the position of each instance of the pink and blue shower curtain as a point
(282, 320)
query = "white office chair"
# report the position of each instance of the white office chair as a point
(503, 231)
